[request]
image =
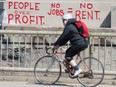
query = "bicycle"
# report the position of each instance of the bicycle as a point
(47, 69)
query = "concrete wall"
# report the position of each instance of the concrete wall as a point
(95, 13)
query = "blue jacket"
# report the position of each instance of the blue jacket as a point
(70, 33)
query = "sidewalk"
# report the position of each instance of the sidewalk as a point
(31, 84)
(106, 81)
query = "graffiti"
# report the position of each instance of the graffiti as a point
(23, 5)
(86, 5)
(25, 19)
(40, 13)
(70, 10)
(86, 12)
(21, 14)
(55, 10)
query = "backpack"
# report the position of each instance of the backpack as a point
(82, 28)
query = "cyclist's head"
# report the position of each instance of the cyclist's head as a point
(66, 17)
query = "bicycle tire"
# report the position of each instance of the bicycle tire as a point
(97, 71)
(50, 76)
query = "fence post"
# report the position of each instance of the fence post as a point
(113, 15)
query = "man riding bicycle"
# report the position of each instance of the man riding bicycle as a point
(77, 41)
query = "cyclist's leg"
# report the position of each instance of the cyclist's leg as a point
(70, 53)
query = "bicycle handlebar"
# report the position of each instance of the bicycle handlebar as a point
(52, 52)
(47, 47)
(49, 50)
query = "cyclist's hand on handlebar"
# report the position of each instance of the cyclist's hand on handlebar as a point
(55, 48)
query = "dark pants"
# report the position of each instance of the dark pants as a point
(73, 50)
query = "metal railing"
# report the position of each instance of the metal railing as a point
(103, 47)
(20, 49)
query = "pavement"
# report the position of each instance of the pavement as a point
(32, 84)
(30, 81)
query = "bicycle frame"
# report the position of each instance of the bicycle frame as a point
(77, 58)
(56, 56)
(81, 61)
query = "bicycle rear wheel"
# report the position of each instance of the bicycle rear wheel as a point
(47, 70)
(96, 74)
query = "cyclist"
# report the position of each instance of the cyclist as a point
(78, 42)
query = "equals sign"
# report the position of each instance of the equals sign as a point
(70, 10)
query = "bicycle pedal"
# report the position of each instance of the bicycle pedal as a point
(88, 76)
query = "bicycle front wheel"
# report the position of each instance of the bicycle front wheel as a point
(47, 70)
(96, 72)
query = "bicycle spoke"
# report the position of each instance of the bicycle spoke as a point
(93, 77)
(47, 70)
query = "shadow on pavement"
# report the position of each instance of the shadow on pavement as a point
(57, 84)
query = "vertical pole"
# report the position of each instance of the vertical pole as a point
(113, 17)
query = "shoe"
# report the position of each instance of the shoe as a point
(77, 72)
